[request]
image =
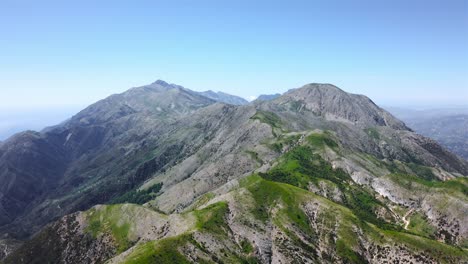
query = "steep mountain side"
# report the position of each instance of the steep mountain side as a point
(248, 183)
(96, 155)
(224, 98)
(359, 124)
(334, 104)
(30, 166)
(280, 216)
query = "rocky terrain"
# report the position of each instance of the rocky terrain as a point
(448, 126)
(162, 174)
(267, 97)
(225, 98)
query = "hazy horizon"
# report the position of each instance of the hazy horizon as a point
(14, 120)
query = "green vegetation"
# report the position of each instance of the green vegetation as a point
(288, 199)
(321, 140)
(458, 185)
(443, 252)
(211, 218)
(164, 251)
(347, 253)
(422, 171)
(246, 246)
(300, 166)
(268, 193)
(269, 118)
(203, 200)
(420, 226)
(107, 220)
(372, 132)
(283, 140)
(138, 196)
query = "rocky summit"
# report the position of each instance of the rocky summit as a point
(164, 174)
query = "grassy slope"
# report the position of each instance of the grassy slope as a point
(290, 217)
(284, 188)
(268, 194)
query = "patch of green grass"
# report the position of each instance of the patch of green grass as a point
(420, 226)
(444, 253)
(422, 171)
(203, 200)
(409, 182)
(300, 166)
(269, 118)
(212, 218)
(282, 141)
(373, 133)
(268, 194)
(165, 251)
(287, 200)
(246, 246)
(107, 221)
(290, 139)
(411, 168)
(347, 253)
(321, 140)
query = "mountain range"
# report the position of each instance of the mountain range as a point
(164, 174)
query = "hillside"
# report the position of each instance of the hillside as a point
(448, 126)
(161, 174)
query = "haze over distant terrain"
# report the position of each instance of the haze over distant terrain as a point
(16, 120)
(449, 126)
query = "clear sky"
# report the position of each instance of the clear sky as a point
(72, 53)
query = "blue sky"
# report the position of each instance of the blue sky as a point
(71, 53)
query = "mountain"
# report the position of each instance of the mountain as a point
(267, 97)
(448, 126)
(91, 157)
(224, 98)
(161, 174)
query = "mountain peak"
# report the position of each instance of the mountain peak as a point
(331, 102)
(311, 88)
(161, 82)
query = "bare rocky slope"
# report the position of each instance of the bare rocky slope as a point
(315, 175)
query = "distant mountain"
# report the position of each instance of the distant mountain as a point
(225, 98)
(267, 97)
(448, 126)
(162, 174)
(91, 157)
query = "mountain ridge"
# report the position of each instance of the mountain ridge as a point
(192, 145)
